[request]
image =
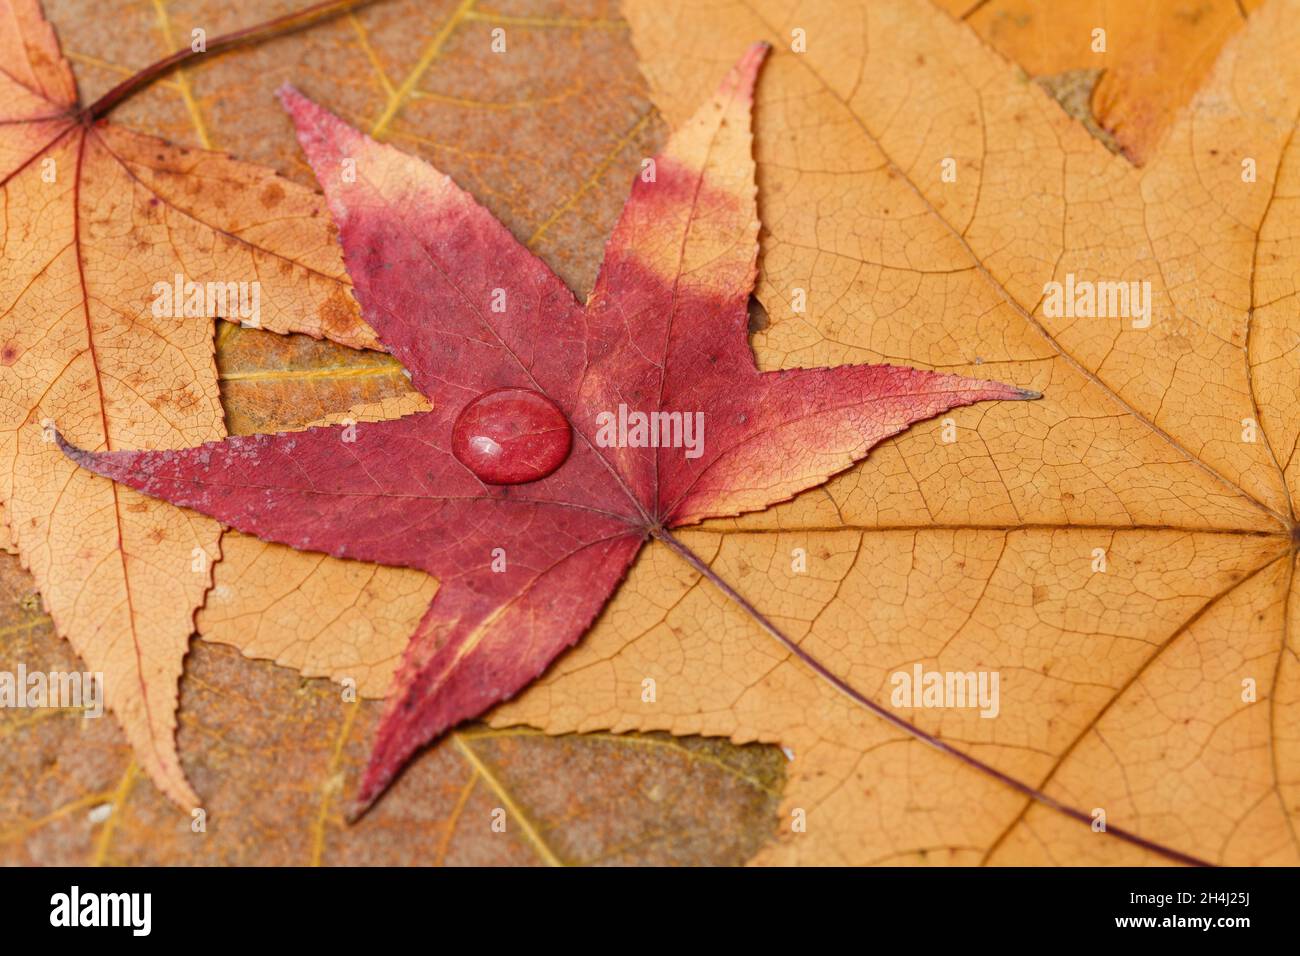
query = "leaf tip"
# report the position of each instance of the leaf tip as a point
(745, 73)
(373, 786)
(106, 464)
(290, 97)
(356, 810)
(287, 90)
(78, 455)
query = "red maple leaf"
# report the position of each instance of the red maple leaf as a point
(562, 436)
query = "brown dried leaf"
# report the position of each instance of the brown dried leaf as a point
(1156, 55)
(96, 216)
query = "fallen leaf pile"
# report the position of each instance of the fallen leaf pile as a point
(1121, 552)
(529, 529)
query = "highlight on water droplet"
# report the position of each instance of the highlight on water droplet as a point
(510, 436)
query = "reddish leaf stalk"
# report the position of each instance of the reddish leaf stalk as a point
(696, 562)
(270, 29)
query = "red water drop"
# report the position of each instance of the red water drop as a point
(510, 436)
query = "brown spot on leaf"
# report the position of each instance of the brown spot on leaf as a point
(338, 314)
(271, 194)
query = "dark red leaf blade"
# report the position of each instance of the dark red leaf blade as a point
(449, 288)
(522, 570)
(388, 492)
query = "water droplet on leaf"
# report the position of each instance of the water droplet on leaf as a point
(510, 436)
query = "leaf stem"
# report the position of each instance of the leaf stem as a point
(696, 562)
(279, 26)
